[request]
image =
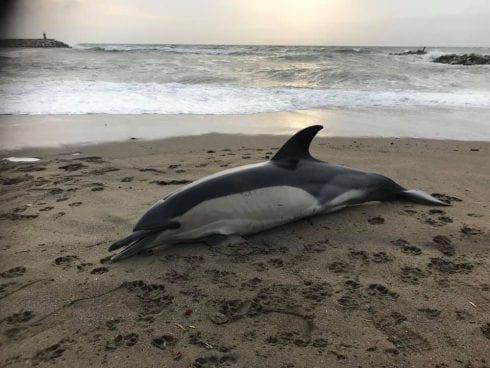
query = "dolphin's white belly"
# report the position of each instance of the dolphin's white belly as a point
(246, 212)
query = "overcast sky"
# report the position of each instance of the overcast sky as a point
(293, 22)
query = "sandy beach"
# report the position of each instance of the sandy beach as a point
(378, 285)
(106, 108)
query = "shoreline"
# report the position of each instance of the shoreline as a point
(17, 131)
(392, 284)
(210, 141)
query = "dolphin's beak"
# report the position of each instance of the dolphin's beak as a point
(134, 242)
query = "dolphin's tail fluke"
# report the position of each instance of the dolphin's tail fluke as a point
(134, 243)
(421, 197)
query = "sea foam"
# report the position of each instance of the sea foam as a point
(86, 97)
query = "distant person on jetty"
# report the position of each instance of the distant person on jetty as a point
(44, 35)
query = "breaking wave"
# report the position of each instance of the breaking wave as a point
(86, 97)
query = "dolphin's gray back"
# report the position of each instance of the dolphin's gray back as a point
(319, 179)
(249, 199)
(292, 166)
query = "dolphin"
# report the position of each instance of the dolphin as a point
(220, 208)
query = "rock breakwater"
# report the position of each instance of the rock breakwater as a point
(466, 59)
(31, 42)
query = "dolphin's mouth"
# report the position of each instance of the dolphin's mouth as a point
(133, 243)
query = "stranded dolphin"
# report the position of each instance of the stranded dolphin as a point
(221, 207)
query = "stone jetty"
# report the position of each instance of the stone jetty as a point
(31, 42)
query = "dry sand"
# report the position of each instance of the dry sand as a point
(379, 285)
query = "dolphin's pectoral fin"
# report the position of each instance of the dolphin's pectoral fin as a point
(298, 146)
(220, 239)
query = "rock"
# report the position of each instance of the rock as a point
(466, 59)
(32, 42)
(409, 52)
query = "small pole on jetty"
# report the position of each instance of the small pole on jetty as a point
(44, 35)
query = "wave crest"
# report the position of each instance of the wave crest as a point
(218, 50)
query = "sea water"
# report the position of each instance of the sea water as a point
(216, 79)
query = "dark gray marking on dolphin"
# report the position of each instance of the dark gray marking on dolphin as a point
(252, 198)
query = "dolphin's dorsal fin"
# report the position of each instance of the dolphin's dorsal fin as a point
(298, 146)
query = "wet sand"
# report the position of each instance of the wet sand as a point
(379, 285)
(469, 124)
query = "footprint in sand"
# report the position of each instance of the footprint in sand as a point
(154, 297)
(381, 291)
(18, 216)
(99, 270)
(439, 221)
(276, 262)
(91, 159)
(15, 180)
(430, 312)
(436, 212)
(120, 340)
(359, 255)
(15, 322)
(66, 261)
(410, 212)
(71, 261)
(446, 266)
(378, 220)
(381, 257)
(412, 275)
(29, 168)
(51, 353)
(446, 198)
(97, 187)
(213, 360)
(467, 230)
(252, 284)
(406, 247)
(103, 170)
(314, 248)
(165, 341)
(317, 291)
(485, 330)
(72, 167)
(339, 267)
(20, 317)
(400, 335)
(13, 272)
(112, 323)
(444, 245)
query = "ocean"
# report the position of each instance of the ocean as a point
(216, 80)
